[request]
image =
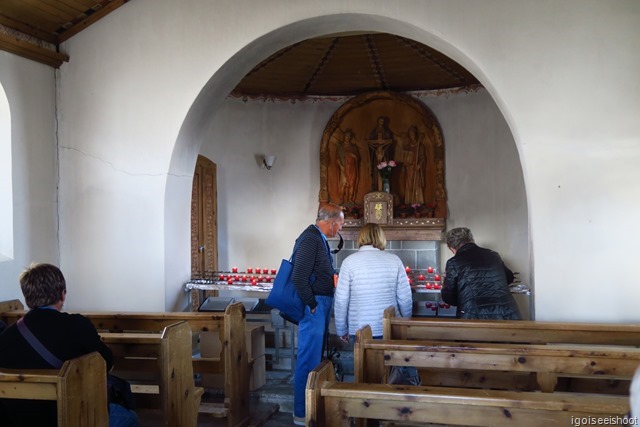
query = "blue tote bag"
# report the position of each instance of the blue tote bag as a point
(283, 295)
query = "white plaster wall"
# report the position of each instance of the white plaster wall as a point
(149, 75)
(262, 212)
(484, 178)
(30, 92)
(6, 180)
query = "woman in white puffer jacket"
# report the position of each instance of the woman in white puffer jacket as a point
(370, 281)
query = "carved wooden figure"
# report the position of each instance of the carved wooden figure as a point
(381, 127)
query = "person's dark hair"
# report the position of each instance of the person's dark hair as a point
(458, 237)
(42, 285)
(329, 211)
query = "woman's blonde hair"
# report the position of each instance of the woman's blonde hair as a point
(372, 234)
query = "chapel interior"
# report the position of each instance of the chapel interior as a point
(166, 161)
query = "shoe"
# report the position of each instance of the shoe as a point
(299, 421)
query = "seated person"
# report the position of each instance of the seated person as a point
(65, 336)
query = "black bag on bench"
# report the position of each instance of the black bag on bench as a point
(404, 375)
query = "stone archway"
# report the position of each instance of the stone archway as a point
(211, 97)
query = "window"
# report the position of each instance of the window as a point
(6, 183)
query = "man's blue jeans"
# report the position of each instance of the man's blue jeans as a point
(311, 336)
(119, 416)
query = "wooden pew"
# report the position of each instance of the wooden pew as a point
(546, 361)
(506, 331)
(79, 389)
(509, 331)
(233, 362)
(330, 403)
(167, 356)
(10, 305)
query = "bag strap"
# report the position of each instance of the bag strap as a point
(295, 248)
(37, 345)
(340, 245)
(331, 252)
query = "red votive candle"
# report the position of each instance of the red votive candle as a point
(230, 281)
(234, 269)
(421, 277)
(437, 277)
(407, 269)
(254, 282)
(273, 271)
(249, 270)
(430, 270)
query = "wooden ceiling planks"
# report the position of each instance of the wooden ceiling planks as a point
(340, 65)
(48, 21)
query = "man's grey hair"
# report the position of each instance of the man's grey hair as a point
(458, 237)
(329, 211)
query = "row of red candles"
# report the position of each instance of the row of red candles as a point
(250, 270)
(428, 285)
(434, 305)
(421, 276)
(430, 270)
(254, 280)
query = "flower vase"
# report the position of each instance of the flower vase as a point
(386, 185)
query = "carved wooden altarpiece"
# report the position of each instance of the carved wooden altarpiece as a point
(380, 127)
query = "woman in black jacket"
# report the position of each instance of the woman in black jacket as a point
(477, 281)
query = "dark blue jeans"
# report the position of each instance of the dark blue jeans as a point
(311, 330)
(119, 416)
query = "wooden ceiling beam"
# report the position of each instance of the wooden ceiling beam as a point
(28, 30)
(31, 51)
(97, 15)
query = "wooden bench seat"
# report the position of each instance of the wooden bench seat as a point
(79, 389)
(233, 362)
(330, 403)
(159, 363)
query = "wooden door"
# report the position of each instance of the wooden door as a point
(204, 220)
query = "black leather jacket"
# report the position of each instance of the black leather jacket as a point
(477, 282)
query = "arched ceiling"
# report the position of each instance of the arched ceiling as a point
(350, 64)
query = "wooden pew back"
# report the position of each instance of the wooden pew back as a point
(79, 389)
(331, 403)
(522, 332)
(509, 331)
(168, 356)
(233, 361)
(547, 362)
